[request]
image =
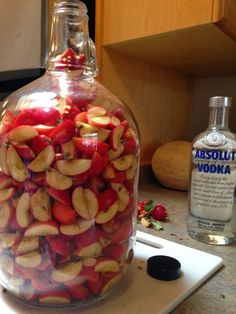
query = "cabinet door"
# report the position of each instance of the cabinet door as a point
(124, 20)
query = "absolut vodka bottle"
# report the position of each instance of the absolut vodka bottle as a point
(212, 212)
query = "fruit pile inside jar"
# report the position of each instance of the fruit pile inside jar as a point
(67, 200)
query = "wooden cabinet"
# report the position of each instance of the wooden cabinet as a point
(151, 52)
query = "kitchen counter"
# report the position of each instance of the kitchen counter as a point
(218, 294)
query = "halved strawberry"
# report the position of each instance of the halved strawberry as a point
(64, 132)
(39, 143)
(107, 198)
(61, 196)
(88, 146)
(63, 213)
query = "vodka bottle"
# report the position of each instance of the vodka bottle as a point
(212, 212)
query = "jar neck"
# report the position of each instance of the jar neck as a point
(219, 118)
(70, 30)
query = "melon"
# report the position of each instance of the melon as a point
(171, 164)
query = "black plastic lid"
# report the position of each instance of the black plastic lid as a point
(163, 267)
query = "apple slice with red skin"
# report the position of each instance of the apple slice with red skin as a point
(123, 163)
(39, 143)
(80, 179)
(29, 260)
(25, 151)
(15, 165)
(63, 132)
(68, 149)
(86, 130)
(6, 214)
(105, 216)
(41, 205)
(55, 297)
(109, 282)
(81, 117)
(67, 271)
(123, 233)
(22, 133)
(47, 116)
(100, 122)
(123, 195)
(79, 292)
(42, 229)
(107, 198)
(92, 250)
(120, 177)
(7, 240)
(26, 245)
(103, 134)
(44, 129)
(6, 194)
(107, 264)
(6, 124)
(88, 237)
(61, 196)
(23, 215)
(109, 172)
(43, 160)
(89, 273)
(3, 159)
(64, 214)
(57, 180)
(111, 225)
(85, 202)
(80, 226)
(73, 167)
(96, 184)
(114, 122)
(115, 137)
(88, 146)
(119, 113)
(130, 147)
(113, 154)
(96, 111)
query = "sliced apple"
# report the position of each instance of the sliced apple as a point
(85, 202)
(67, 272)
(103, 134)
(100, 122)
(105, 216)
(106, 264)
(57, 180)
(25, 151)
(96, 111)
(7, 240)
(89, 261)
(15, 165)
(55, 297)
(123, 195)
(61, 196)
(86, 130)
(42, 229)
(109, 282)
(41, 205)
(92, 250)
(79, 227)
(109, 172)
(113, 154)
(26, 245)
(22, 133)
(73, 167)
(123, 163)
(6, 213)
(43, 160)
(114, 122)
(29, 260)
(23, 215)
(131, 172)
(6, 194)
(3, 159)
(68, 149)
(115, 137)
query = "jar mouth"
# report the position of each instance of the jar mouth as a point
(72, 10)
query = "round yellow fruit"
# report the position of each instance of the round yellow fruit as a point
(170, 164)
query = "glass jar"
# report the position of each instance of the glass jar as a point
(69, 160)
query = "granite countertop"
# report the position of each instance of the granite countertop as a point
(218, 294)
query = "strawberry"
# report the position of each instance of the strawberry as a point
(159, 212)
(63, 133)
(63, 213)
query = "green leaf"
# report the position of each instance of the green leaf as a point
(157, 225)
(149, 206)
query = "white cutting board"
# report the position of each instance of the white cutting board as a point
(140, 293)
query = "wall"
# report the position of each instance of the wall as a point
(203, 90)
